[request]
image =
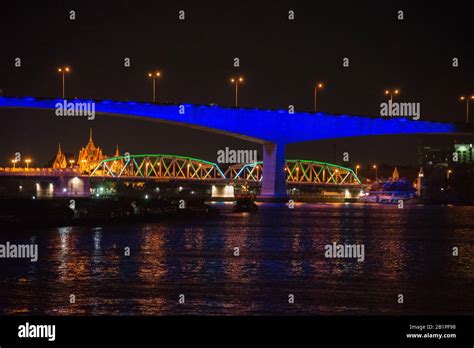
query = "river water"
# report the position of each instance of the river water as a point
(281, 253)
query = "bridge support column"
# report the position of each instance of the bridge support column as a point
(274, 176)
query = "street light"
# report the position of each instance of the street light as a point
(449, 173)
(63, 71)
(27, 161)
(320, 86)
(236, 81)
(376, 172)
(357, 168)
(72, 162)
(467, 106)
(154, 75)
(391, 93)
(14, 163)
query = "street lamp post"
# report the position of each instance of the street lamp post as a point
(448, 173)
(467, 106)
(14, 163)
(236, 81)
(357, 169)
(28, 161)
(154, 75)
(376, 172)
(63, 71)
(319, 85)
(72, 162)
(391, 93)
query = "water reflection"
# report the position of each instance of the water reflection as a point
(280, 252)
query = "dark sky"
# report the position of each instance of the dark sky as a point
(280, 60)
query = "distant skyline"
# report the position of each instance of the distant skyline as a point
(281, 61)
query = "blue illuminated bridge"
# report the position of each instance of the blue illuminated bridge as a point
(271, 128)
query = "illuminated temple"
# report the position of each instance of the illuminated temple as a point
(89, 156)
(60, 161)
(88, 159)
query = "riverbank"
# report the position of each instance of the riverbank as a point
(19, 212)
(85, 211)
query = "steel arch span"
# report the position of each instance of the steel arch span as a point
(298, 172)
(158, 167)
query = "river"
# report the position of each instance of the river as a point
(280, 255)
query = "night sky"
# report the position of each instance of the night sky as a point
(280, 59)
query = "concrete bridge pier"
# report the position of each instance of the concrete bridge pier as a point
(274, 175)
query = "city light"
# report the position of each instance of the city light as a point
(319, 85)
(392, 92)
(63, 71)
(236, 81)
(27, 161)
(154, 76)
(467, 105)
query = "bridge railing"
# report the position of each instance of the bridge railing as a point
(172, 167)
(20, 171)
(298, 172)
(158, 166)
